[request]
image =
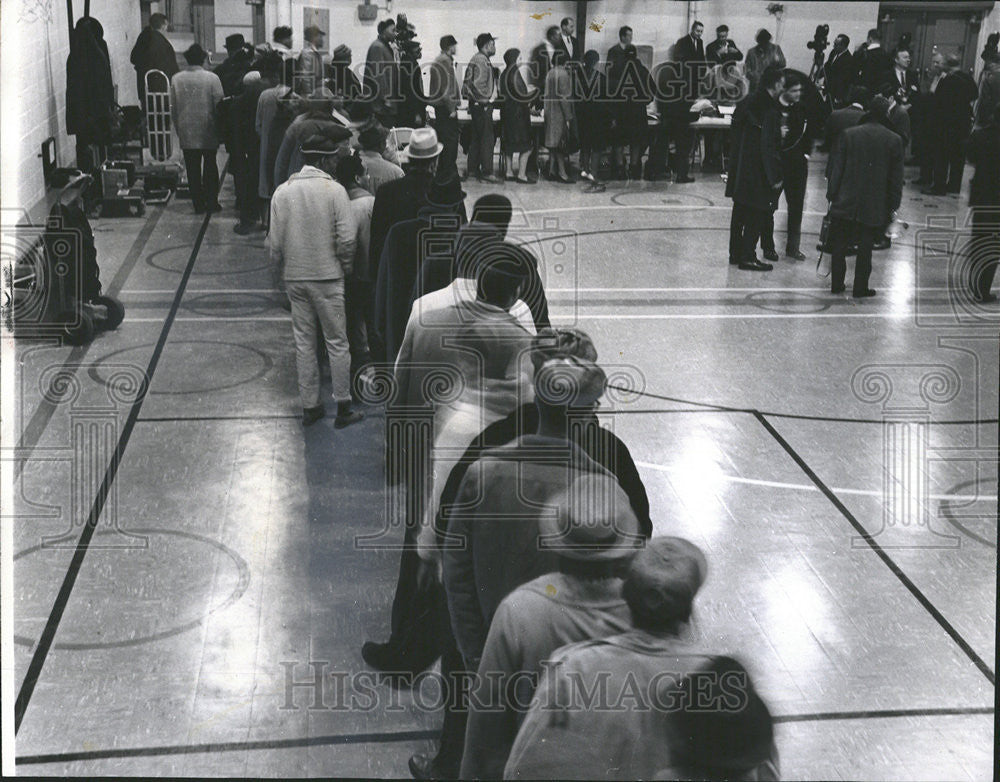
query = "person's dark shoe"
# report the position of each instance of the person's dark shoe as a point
(378, 656)
(923, 182)
(346, 419)
(837, 289)
(733, 262)
(771, 255)
(243, 229)
(488, 179)
(883, 243)
(756, 266)
(865, 294)
(988, 298)
(426, 767)
(216, 207)
(595, 187)
(684, 180)
(795, 255)
(311, 415)
(933, 191)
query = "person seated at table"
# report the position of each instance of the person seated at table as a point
(515, 98)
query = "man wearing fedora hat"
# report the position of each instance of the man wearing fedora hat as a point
(236, 65)
(312, 240)
(194, 95)
(622, 734)
(402, 199)
(593, 533)
(406, 244)
(479, 88)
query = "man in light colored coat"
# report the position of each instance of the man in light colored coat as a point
(312, 240)
(194, 94)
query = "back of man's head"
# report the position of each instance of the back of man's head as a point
(158, 22)
(493, 209)
(771, 77)
(952, 61)
(502, 275)
(661, 583)
(281, 34)
(860, 95)
(372, 139)
(874, 35)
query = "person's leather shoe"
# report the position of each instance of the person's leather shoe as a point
(756, 266)
(426, 767)
(865, 294)
(346, 419)
(988, 298)
(243, 229)
(733, 262)
(311, 415)
(489, 179)
(684, 180)
(883, 243)
(795, 255)
(770, 255)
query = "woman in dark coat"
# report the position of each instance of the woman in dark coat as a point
(593, 114)
(90, 93)
(633, 88)
(516, 98)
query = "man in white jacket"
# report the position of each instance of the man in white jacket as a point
(312, 240)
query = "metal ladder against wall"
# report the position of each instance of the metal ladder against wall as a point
(158, 135)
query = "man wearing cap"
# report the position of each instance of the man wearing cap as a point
(599, 711)
(401, 200)
(593, 533)
(194, 94)
(865, 188)
(153, 52)
(445, 96)
(382, 73)
(312, 240)
(378, 170)
(348, 94)
(479, 88)
(281, 41)
(232, 70)
(309, 73)
(315, 120)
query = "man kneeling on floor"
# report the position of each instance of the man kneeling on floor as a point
(312, 240)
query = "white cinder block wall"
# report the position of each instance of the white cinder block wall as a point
(35, 35)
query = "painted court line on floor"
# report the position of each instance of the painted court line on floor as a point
(813, 488)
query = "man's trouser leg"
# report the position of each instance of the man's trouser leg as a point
(737, 221)
(447, 130)
(863, 263)
(328, 300)
(796, 175)
(304, 332)
(192, 163)
(839, 238)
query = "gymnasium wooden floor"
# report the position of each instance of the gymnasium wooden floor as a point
(836, 459)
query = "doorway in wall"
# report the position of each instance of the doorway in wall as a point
(947, 27)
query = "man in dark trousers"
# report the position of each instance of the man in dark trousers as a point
(949, 123)
(984, 202)
(722, 49)
(382, 73)
(445, 95)
(873, 62)
(153, 52)
(839, 71)
(796, 143)
(754, 180)
(246, 143)
(864, 190)
(675, 97)
(479, 88)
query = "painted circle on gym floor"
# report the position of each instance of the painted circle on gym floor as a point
(207, 366)
(658, 199)
(184, 577)
(229, 304)
(976, 520)
(232, 258)
(788, 301)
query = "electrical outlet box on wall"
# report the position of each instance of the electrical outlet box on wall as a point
(367, 12)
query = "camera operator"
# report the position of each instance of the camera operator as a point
(818, 44)
(839, 72)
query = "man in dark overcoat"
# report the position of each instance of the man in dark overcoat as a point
(754, 180)
(864, 190)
